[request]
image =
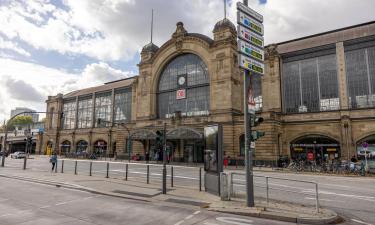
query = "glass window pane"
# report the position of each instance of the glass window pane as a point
(197, 87)
(103, 108)
(69, 109)
(357, 78)
(291, 87)
(123, 100)
(85, 113)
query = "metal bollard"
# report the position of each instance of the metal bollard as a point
(267, 190)
(231, 191)
(171, 176)
(62, 166)
(56, 166)
(317, 197)
(75, 168)
(148, 174)
(90, 172)
(200, 178)
(107, 170)
(24, 162)
(3, 160)
(126, 171)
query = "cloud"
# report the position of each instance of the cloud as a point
(13, 46)
(117, 29)
(32, 87)
(21, 90)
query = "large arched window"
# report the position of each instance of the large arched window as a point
(184, 87)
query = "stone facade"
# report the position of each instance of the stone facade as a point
(346, 126)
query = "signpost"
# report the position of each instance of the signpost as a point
(365, 148)
(250, 32)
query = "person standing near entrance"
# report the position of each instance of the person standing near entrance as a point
(53, 161)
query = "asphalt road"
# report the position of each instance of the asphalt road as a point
(30, 203)
(352, 197)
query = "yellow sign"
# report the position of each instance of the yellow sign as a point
(49, 151)
(331, 149)
(298, 149)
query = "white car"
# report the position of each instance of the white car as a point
(18, 155)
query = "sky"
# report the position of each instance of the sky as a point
(57, 46)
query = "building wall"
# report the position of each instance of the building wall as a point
(345, 125)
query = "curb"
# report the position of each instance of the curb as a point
(280, 217)
(72, 186)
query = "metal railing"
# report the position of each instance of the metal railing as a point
(268, 186)
(151, 173)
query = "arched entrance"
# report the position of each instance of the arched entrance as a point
(369, 151)
(100, 148)
(81, 147)
(186, 145)
(315, 147)
(65, 147)
(49, 147)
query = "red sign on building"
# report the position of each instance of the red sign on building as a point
(181, 94)
(310, 156)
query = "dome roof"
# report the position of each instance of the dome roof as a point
(224, 23)
(150, 47)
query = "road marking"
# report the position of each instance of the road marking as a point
(179, 222)
(189, 217)
(209, 223)
(361, 222)
(322, 199)
(234, 220)
(360, 197)
(197, 212)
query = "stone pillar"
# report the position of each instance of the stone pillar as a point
(341, 74)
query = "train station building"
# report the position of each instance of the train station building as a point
(317, 95)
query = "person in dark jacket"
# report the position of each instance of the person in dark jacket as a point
(53, 160)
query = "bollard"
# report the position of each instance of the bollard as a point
(231, 192)
(126, 171)
(200, 178)
(62, 166)
(56, 166)
(75, 168)
(267, 190)
(317, 197)
(171, 176)
(24, 162)
(107, 170)
(3, 160)
(90, 173)
(148, 174)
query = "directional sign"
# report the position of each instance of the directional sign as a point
(250, 50)
(251, 64)
(250, 36)
(243, 8)
(249, 22)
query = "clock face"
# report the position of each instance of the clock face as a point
(181, 80)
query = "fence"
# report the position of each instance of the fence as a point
(177, 176)
(276, 187)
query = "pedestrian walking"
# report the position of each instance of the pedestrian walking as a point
(53, 160)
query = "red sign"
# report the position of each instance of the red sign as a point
(181, 94)
(310, 156)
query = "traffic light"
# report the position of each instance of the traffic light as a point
(159, 137)
(255, 135)
(255, 121)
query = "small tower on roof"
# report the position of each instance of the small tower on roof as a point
(150, 49)
(224, 28)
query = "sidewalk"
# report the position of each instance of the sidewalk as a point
(139, 190)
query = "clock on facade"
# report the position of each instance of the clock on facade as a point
(181, 81)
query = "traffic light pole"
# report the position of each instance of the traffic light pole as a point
(164, 190)
(248, 150)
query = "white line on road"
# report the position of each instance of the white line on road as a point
(180, 222)
(322, 199)
(361, 222)
(234, 220)
(197, 212)
(189, 217)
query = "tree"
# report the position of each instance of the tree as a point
(19, 121)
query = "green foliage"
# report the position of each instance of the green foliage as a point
(21, 120)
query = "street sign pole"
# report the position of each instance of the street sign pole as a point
(164, 188)
(250, 32)
(248, 150)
